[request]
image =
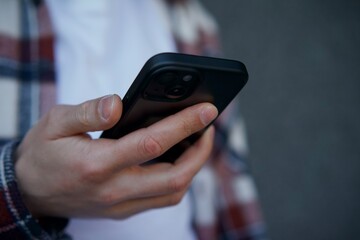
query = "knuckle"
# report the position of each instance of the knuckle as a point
(150, 147)
(89, 172)
(175, 199)
(178, 184)
(186, 127)
(82, 114)
(107, 198)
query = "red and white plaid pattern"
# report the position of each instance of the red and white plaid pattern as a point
(225, 199)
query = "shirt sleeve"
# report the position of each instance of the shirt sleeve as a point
(16, 221)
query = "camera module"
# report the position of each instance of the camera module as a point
(171, 84)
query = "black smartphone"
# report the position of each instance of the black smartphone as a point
(170, 82)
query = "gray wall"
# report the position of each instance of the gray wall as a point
(302, 108)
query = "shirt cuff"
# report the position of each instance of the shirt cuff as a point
(16, 221)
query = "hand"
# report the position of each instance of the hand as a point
(61, 171)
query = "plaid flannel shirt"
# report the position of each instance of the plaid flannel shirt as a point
(224, 196)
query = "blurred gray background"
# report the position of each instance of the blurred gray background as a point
(302, 109)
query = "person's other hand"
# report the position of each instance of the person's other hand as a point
(61, 171)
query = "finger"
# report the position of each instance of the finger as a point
(93, 115)
(145, 144)
(202, 147)
(161, 178)
(131, 207)
(149, 143)
(190, 163)
(171, 178)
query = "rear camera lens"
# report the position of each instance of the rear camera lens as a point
(175, 92)
(187, 78)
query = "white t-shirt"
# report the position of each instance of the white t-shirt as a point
(100, 48)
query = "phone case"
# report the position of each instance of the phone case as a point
(170, 82)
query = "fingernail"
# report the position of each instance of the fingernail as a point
(106, 106)
(208, 114)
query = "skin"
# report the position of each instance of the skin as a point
(61, 171)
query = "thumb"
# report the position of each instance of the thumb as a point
(93, 115)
